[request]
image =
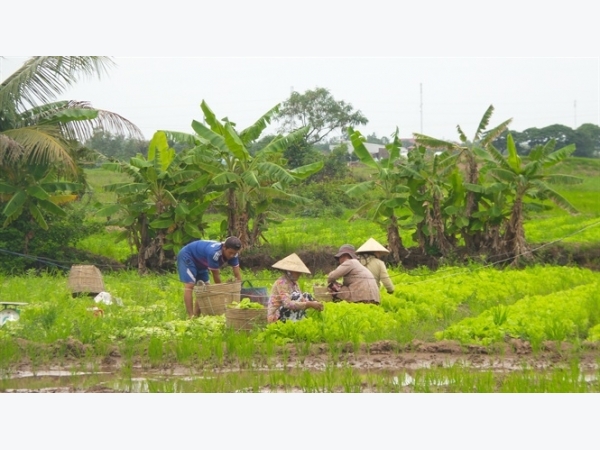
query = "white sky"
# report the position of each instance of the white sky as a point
(541, 65)
(165, 92)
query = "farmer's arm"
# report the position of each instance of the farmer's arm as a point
(339, 272)
(216, 273)
(237, 273)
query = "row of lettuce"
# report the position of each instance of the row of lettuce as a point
(472, 305)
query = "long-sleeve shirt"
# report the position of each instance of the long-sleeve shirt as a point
(379, 271)
(359, 283)
(282, 294)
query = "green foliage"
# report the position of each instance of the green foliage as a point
(27, 246)
(339, 322)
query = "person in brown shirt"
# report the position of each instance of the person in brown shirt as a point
(359, 284)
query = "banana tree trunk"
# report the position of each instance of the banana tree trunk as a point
(397, 250)
(237, 220)
(514, 242)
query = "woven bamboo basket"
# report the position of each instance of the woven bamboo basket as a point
(85, 280)
(245, 319)
(322, 294)
(212, 299)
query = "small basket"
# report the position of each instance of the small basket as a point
(85, 280)
(245, 319)
(322, 294)
(212, 299)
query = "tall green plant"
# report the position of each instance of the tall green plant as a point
(522, 181)
(254, 186)
(38, 136)
(472, 233)
(387, 192)
(162, 207)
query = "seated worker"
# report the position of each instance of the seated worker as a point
(359, 285)
(287, 302)
(198, 257)
(369, 255)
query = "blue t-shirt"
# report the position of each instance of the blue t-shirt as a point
(208, 255)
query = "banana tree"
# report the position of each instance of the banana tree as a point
(473, 237)
(385, 193)
(433, 199)
(161, 208)
(523, 181)
(254, 186)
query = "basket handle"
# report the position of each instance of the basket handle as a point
(249, 283)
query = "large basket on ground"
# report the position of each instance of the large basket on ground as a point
(212, 299)
(85, 280)
(245, 319)
(322, 294)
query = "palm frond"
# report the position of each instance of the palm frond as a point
(43, 145)
(41, 78)
(10, 150)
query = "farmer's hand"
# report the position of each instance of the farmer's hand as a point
(316, 305)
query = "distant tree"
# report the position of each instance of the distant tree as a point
(373, 139)
(116, 146)
(587, 140)
(321, 114)
(335, 164)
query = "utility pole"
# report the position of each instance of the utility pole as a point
(575, 113)
(421, 89)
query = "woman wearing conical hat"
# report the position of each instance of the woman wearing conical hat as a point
(287, 302)
(369, 255)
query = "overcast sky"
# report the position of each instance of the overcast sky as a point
(428, 95)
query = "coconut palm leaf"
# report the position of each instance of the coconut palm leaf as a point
(44, 144)
(41, 78)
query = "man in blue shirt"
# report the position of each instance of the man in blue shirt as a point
(198, 257)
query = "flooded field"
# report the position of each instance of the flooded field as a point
(441, 367)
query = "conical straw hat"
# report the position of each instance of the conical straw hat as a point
(292, 263)
(372, 246)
